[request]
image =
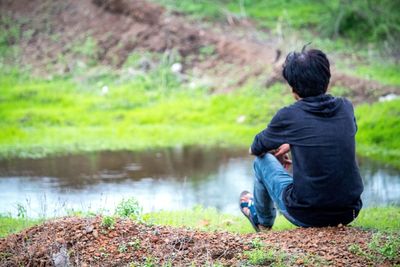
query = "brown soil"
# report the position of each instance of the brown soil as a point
(85, 242)
(121, 26)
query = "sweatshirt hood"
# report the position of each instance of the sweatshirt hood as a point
(322, 105)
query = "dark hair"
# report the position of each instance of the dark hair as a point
(307, 72)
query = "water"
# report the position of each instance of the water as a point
(170, 179)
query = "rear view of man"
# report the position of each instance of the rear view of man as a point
(319, 130)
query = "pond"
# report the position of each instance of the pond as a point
(169, 179)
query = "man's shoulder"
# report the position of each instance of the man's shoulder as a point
(289, 109)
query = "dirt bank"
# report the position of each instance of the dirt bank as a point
(54, 33)
(86, 242)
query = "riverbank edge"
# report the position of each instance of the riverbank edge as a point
(378, 219)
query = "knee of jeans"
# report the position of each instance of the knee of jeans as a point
(262, 161)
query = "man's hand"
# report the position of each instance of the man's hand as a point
(282, 150)
(282, 155)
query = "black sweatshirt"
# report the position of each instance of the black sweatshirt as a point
(326, 185)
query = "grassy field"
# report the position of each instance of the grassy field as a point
(106, 111)
(379, 218)
(357, 21)
(61, 116)
(379, 131)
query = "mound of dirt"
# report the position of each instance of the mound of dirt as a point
(54, 35)
(141, 11)
(86, 242)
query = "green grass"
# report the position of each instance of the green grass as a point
(267, 13)
(383, 72)
(385, 219)
(357, 20)
(61, 116)
(208, 220)
(379, 131)
(9, 225)
(378, 218)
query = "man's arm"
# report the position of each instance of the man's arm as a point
(271, 137)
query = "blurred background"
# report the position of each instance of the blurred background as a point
(102, 100)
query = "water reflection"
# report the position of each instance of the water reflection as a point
(165, 179)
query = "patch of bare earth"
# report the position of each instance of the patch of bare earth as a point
(120, 27)
(75, 241)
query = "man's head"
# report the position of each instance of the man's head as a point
(307, 72)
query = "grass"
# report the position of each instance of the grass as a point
(267, 13)
(382, 248)
(382, 219)
(379, 130)
(358, 20)
(209, 220)
(378, 218)
(9, 225)
(42, 117)
(59, 116)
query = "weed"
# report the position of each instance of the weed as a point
(149, 262)
(108, 222)
(388, 246)
(4, 256)
(135, 243)
(340, 91)
(104, 255)
(257, 243)
(129, 208)
(21, 211)
(206, 51)
(86, 48)
(357, 250)
(122, 248)
(382, 247)
(262, 255)
(257, 257)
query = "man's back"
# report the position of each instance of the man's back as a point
(319, 129)
(326, 180)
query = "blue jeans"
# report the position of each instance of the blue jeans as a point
(271, 179)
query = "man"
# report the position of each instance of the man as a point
(319, 130)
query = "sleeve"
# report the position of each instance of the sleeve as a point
(273, 136)
(352, 112)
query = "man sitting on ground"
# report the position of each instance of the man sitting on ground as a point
(319, 130)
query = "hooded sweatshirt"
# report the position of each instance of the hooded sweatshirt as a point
(326, 184)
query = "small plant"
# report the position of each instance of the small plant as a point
(108, 222)
(207, 50)
(167, 264)
(86, 48)
(257, 243)
(135, 244)
(260, 256)
(129, 208)
(149, 262)
(340, 91)
(257, 256)
(387, 246)
(21, 211)
(122, 248)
